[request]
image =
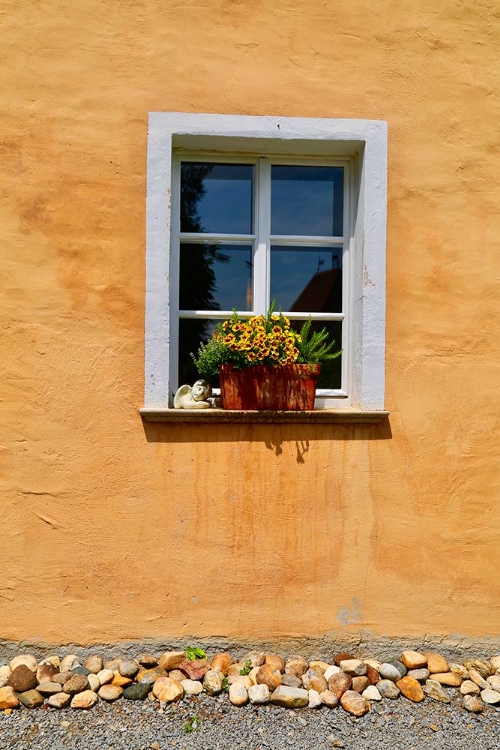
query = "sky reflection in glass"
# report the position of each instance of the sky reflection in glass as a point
(306, 279)
(216, 198)
(226, 276)
(307, 201)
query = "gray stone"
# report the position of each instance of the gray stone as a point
(388, 689)
(419, 674)
(389, 672)
(81, 670)
(128, 668)
(192, 687)
(291, 680)
(137, 692)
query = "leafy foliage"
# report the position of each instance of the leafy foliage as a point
(193, 653)
(192, 724)
(247, 668)
(314, 347)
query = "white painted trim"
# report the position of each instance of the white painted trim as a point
(366, 140)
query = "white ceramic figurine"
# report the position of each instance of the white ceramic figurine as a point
(193, 398)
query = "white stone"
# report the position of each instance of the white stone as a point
(494, 681)
(28, 660)
(371, 693)
(314, 699)
(238, 694)
(495, 661)
(469, 688)
(491, 697)
(192, 687)
(259, 694)
(4, 675)
(68, 662)
(94, 682)
(105, 676)
(331, 671)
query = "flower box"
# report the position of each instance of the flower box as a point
(274, 387)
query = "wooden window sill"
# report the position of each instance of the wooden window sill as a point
(218, 416)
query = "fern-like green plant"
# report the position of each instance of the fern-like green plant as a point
(314, 348)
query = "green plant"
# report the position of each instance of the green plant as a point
(192, 725)
(247, 668)
(225, 684)
(314, 347)
(193, 653)
(262, 340)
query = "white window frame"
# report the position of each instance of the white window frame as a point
(361, 145)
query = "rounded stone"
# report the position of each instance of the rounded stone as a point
(411, 689)
(476, 677)
(414, 660)
(8, 698)
(436, 663)
(59, 700)
(354, 703)
(388, 689)
(128, 668)
(473, 703)
(212, 682)
(49, 688)
(27, 660)
(314, 699)
(276, 662)
(110, 693)
(313, 680)
(450, 679)
(332, 669)
(256, 658)
(221, 662)
(419, 674)
(77, 684)
(469, 688)
(85, 699)
(5, 673)
(259, 694)
(94, 664)
(494, 682)
(435, 691)
(290, 697)
(339, 683)
(105, 676)
(171, 692)
(372, 693)
(329, 699)
(191, 687)
(291, 680)
(46, 672)
(22, 679)
(353, 667)
(68, 662)
(168, 661)
(137, 692)
(491, 697)
(267, 676)
(296, 665)
(238, 694)
(360, 683)
(389, 672)
(31, 699)
(94, 683)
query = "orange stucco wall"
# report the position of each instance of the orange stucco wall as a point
(112, 529)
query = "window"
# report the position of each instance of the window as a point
(245, 210)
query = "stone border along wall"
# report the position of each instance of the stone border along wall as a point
(259, 678)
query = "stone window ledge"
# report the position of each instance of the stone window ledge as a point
(229, 416)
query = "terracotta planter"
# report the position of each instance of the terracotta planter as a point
(279, 388)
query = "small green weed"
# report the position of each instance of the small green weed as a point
(192, 725)
(247, 668)
(193, 653)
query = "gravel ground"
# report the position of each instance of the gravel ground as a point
(126, 725)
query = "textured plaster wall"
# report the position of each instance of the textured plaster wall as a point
(112, 529)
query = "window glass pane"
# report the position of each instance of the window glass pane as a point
(307, 200)
(215, 276)
(331, 371)
(216, 198)
(306, 279)
(191, 334)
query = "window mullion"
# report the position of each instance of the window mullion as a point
(262, 254)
